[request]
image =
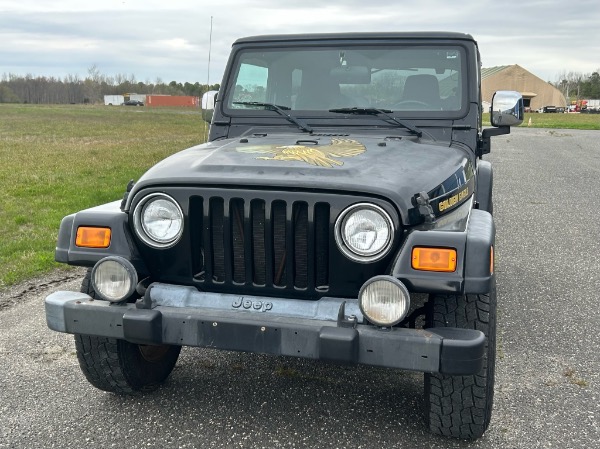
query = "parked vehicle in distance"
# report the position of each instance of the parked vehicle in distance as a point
(110, 100)
(550, 109)
(133, 103)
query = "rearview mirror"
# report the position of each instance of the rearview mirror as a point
(351, 75)
(507, 108)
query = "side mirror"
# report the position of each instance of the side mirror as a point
(208, 105)
(506, 111)
(507, 108)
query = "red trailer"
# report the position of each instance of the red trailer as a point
(171, 101)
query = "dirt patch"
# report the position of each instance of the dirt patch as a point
(14, 294)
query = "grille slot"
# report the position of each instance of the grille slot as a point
(260, 242)
(217, 224)
(259, 273)
(278, 218)
(321, 235)
(238, 236)
(300, 219)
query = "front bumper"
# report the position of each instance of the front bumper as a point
(327, 329)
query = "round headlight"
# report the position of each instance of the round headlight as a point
(114, 279)
(384, 300)
(158, 220)
(364, 232)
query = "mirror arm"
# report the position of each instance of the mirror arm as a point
(484, 146)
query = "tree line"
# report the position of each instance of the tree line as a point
(92, 88)
(73, 89)
(576, 85)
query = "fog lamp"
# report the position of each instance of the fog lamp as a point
(114, 279)
(384, 300)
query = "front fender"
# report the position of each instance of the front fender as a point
(107, 215)
(473, 273)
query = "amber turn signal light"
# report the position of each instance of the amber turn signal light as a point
(89, 237)
(434, 259)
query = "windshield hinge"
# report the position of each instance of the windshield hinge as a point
(425, 209)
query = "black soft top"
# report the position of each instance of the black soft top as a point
(364, 36)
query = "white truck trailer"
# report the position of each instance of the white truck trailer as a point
(114, 100)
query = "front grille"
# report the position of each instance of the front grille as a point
(260, 242)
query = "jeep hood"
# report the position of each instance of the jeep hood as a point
(394, 168)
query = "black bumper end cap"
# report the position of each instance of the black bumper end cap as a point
(462, 350)
(338, 344)
(142, 326)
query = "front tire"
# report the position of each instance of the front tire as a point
(119, 366)
(461, 406)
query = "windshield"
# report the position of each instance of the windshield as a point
(400, 79)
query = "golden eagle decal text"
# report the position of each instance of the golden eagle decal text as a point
(321, 155)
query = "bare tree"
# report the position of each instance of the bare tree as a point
(569, 84)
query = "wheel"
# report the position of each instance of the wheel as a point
(461, 406)
(119, 366)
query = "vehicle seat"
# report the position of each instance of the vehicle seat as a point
(320, 94)
(422, 88)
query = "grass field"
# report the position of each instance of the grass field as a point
(557, 121)
(56, 160)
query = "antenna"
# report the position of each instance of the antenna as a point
(206, 126)
(209, 50)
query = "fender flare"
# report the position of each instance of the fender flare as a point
(485, 182)
(121, 244)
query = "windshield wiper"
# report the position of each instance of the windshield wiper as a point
(384, 112)
(280, 110)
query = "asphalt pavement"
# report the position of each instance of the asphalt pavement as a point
(548, 366)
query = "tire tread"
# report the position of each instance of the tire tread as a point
(461, 406)
(117, 366)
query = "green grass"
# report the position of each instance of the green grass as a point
(56, 160)
(557, 121)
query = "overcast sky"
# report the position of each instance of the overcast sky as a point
(169, 40)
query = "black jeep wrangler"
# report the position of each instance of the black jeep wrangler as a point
(340, 211)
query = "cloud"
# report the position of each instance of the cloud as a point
(170, 40)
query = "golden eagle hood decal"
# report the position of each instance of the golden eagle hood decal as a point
(320, 155)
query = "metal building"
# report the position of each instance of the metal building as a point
(536, 92)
